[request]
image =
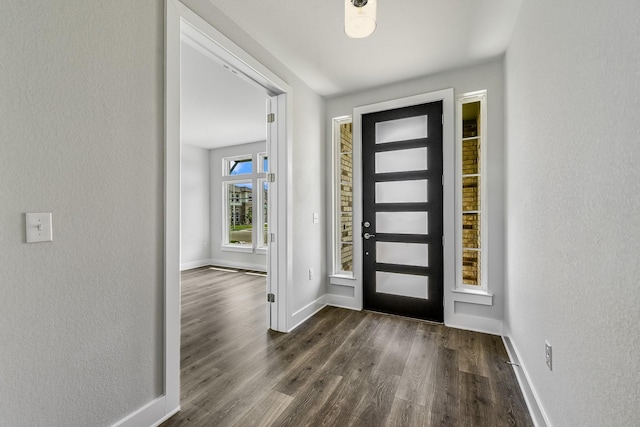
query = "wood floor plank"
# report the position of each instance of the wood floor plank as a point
(266, 411)
(380, 389)
(306, 406)
(405, 413)
(417, 383)
(340, 367)
(444, 409)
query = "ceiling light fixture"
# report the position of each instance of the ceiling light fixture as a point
(360, 18)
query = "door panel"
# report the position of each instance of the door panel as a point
(402, 211)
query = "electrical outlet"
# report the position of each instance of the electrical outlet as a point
(547, 354)
(311, 274)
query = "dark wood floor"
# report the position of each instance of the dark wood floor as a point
(340, 368)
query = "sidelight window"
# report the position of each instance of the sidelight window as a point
(472, 254)
(343, 196)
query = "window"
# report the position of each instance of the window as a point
(263, 162)
(472, 217)
(241, 165)
(239, 218)
(245, 203)
(343, 197)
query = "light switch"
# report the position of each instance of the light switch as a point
(39, 227)
(316, 218)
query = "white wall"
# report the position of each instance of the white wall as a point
(308, 246)
(484, 76)
(81, 136)
(219, 256)
(573, 79)
(195, 219)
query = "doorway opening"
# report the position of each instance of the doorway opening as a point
(185, 26)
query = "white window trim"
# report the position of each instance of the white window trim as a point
(337, 276)
(470, 293)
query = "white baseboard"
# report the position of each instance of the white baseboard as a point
(240, 265)
(152, 414)
(538, 415)
(343, 302)
(307, 311)
(194, 264)
(476, 324)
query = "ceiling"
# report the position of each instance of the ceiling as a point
(414, 38)
(217, 107)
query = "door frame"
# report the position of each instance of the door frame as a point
(448, 190)
(179, 17)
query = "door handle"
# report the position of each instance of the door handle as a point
(367, 236)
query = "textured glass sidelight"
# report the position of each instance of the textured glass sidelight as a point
(416, 254)
(471, 267)
(402, 222)
(414, 159)
(471, 230)
(470, 193)
(344, 183)
(407, 285)
(471, 145)
(402, 129)
(414, 191)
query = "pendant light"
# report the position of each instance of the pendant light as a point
(359, 18)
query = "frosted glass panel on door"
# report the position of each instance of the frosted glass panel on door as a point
(414, 159)
(402, 253)
(406, 285)
(402, 129)
(402, 222)
(414, 191)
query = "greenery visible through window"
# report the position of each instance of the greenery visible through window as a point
(240, 212)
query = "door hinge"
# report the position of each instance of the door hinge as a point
(271, 298)
(272, 237)
(271, 117)
(443, 119)
(443, 241)
(443, 180)
(271, 177)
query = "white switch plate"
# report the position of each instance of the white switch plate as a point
(39, 227)
(316, 218)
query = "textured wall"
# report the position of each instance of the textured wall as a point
(573, 85)
(81, 135)
(195, 196)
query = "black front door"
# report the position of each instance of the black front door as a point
(402, 211)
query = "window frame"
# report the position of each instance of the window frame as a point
(336, 213)
(255, 177)
(476, 294)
